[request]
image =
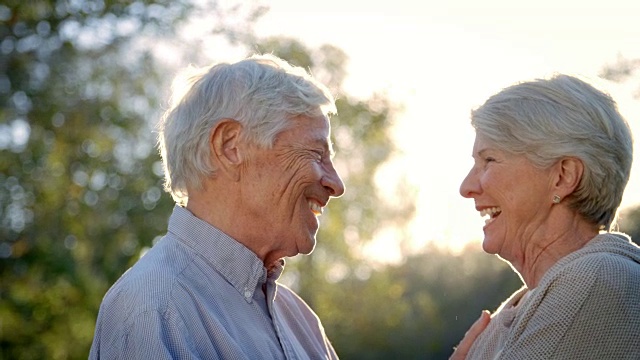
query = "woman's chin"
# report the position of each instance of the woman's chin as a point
(489, 246)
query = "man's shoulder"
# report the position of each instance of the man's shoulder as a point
(139, 301)
(286, 293)
(148, 284)
(294, 303)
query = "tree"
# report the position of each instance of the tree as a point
(81, 199)
(624, 70)
(630, 223)
(80, 194)
(80, 183)
(419, 309)
(362, 140)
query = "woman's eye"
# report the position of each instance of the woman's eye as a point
(489, 159)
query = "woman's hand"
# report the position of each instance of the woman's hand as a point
(460, 352)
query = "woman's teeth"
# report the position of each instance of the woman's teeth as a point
(492, 212)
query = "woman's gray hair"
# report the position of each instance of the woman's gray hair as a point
(264, 93)
(550, 119)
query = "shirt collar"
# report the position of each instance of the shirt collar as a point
(235, 262)
(274, 271)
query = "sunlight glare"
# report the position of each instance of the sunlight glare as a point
(439, 61)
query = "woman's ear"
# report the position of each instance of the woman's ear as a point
(224, 144)
(570, 172)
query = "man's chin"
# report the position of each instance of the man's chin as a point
(307, 247)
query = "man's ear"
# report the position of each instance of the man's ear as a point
(570, 172)
(224, 144)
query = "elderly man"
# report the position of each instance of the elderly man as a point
(247, 157)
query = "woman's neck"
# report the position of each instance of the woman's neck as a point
(541, 254)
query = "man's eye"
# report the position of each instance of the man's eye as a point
(317, 154)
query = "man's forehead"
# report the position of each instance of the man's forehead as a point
(309, 130)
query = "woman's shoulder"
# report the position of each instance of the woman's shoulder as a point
(607, 251)
(606, 261)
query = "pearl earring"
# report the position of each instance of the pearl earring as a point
(556, 199)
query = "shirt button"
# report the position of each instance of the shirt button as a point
(247, 293)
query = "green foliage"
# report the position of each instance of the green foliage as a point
(362, 140)
(624, 70)
(80, 182)
(629, 223)
(416, 310)
(81, 84)
(621, 70)
(419, 309)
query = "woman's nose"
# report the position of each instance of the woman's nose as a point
(470, 185)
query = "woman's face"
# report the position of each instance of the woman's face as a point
(513, 194)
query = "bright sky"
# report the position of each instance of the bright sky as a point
(440, 59)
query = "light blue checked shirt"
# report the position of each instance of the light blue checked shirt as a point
(199, 294)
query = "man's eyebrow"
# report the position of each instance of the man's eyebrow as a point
(325, 143)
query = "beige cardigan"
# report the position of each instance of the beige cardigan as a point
(587, 306)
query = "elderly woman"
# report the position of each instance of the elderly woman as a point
(551, 161)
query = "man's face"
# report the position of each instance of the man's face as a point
(285, 188)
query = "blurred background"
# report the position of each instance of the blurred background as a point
(398, 271)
